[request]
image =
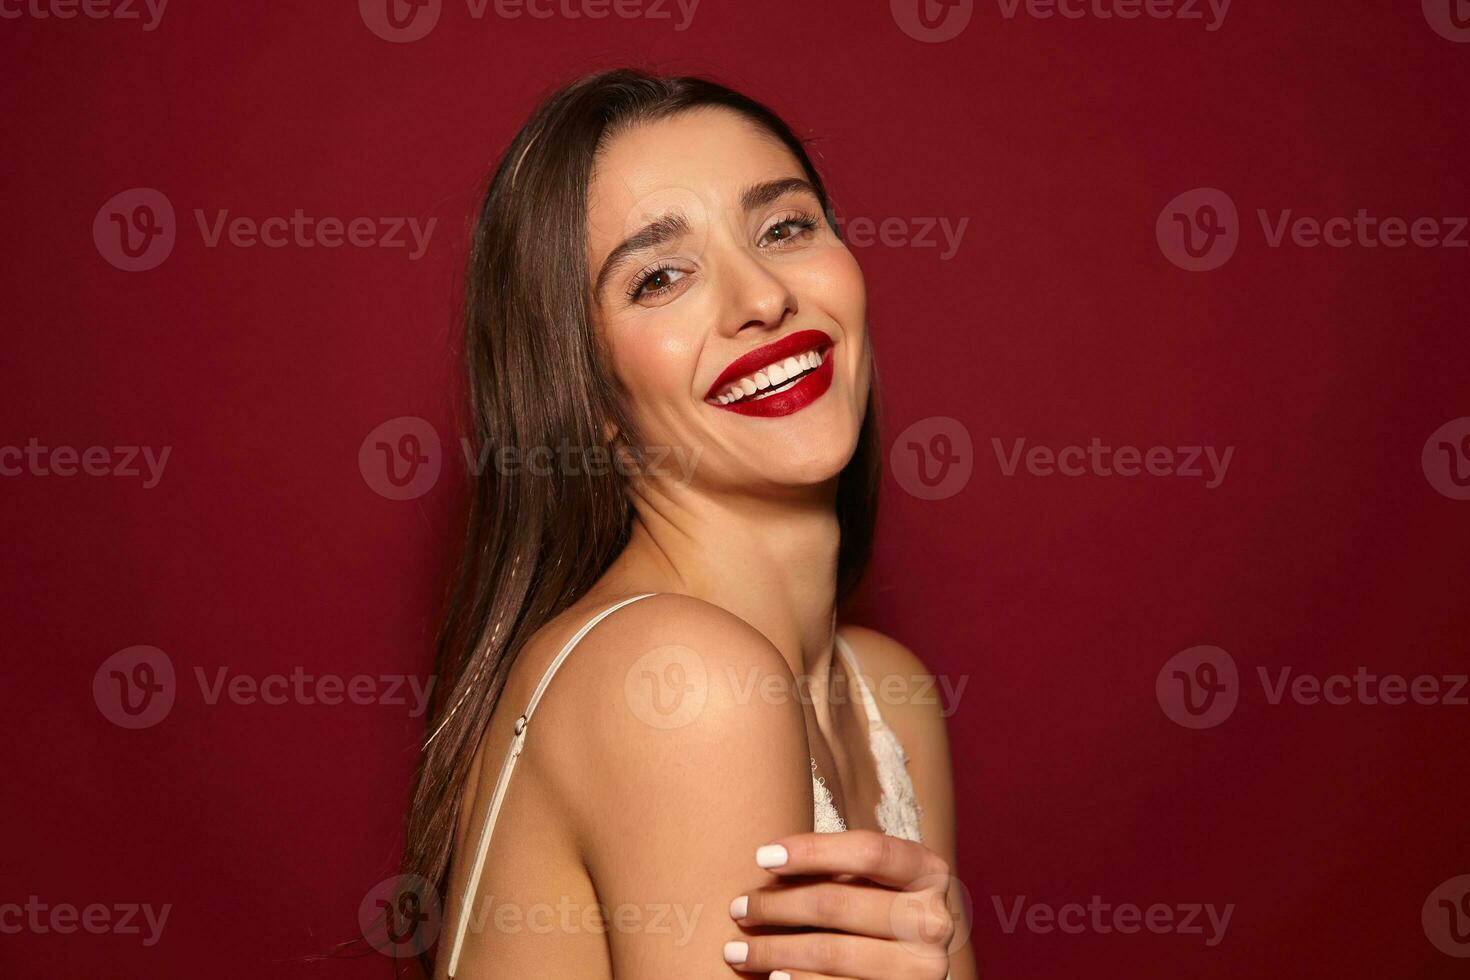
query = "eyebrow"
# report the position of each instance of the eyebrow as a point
(672, 224)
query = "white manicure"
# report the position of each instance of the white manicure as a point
(771, 856)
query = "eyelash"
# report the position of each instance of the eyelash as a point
(803, 221)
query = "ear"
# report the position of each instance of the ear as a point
(609, 432)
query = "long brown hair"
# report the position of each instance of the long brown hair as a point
(536, 541)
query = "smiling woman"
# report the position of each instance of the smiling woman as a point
(655, 271)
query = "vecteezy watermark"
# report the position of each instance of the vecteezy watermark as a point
(400, 916)
(122, 462)
(136, 230)
(1450, 19)
(933, 458)
(935, 21)
(567, 459)
(1105, 918)
(1446, 917)
(1210, 13)
(137, 688)
(401, 459)
(668, 687)
(1446, 459)
(1200, 230)
(1097, 459)
(147, 12)
(302, 688)
(1200, 687)
(862, 232)
(405, 21)
(566, 917)
(916, 912)
(97, 919)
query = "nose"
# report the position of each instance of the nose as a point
(756, 294)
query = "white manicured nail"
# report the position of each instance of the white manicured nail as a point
(735, 952)
(771, 856)
(780, 975)
(739, 907)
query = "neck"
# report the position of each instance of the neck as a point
(771, 561)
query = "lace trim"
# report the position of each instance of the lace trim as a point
(898, 809)
(828, 820)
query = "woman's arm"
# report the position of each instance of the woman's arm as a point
(682, 766)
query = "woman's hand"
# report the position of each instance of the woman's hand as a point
(874, 906)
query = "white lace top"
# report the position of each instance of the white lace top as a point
(898, 809)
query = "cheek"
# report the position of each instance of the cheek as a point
(835, 282)
(654, 361)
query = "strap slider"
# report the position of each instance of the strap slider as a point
(521, 724)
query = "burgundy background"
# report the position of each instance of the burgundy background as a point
(264, 549)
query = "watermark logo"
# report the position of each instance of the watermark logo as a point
(667, 687)
(401, 458)
(126, 462)
(1446, 459)
(933, 916)
(1198, 687)
(932, 21)
(135, 688)
(1099, 459)
(148, 12)
(401, 916)
(1102, 918)
(895, 232)
(135, 230)
(933, 458)
(400, 21)
(566, 917)
(42, 918)
(1446, 917)
(1450, 19)
(1211, 13)
(404, 21)
(1199, 230)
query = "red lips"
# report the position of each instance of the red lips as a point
(808, 389)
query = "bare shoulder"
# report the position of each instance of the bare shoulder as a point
(668, 683)
(668, 767)
(909, 695)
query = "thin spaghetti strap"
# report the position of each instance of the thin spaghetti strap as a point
(874, 718)
(517, 743)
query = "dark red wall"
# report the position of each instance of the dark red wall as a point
(1069, 311)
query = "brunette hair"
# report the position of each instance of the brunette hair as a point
(536, 376)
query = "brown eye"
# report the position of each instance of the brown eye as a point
(659, 279)
(787, 229)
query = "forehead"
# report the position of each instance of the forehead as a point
(698, 159)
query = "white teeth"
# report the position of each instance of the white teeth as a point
(769, 377)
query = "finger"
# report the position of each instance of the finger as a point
(835, 954)
(865, 910)
(890, 861)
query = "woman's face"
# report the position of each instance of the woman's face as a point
(714, 273)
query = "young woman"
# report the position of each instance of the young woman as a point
(672, 388)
